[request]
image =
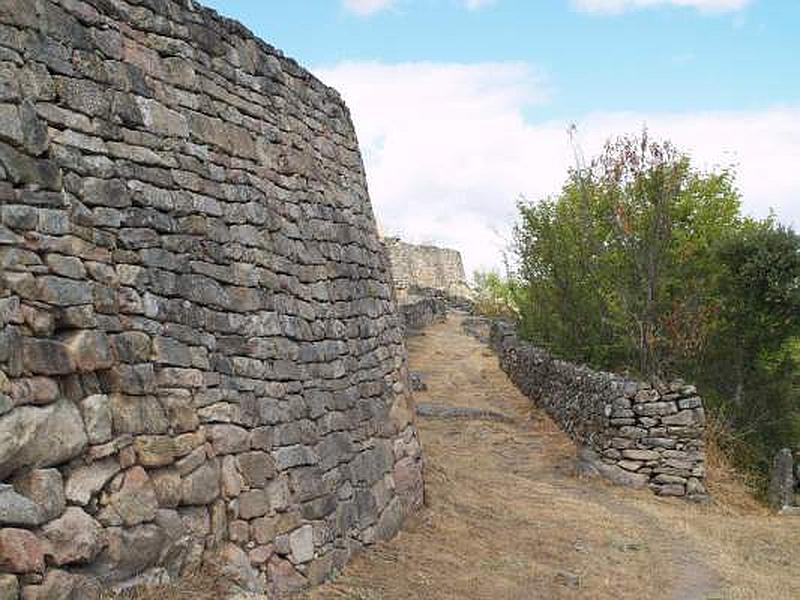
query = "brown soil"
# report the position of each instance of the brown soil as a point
(507, 519)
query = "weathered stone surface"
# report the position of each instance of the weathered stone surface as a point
(62, 585)
(155, 450)
(17, 510)
(86, 481)
(283, 577)
(34, 390)
(236, 566)
(167, 484)
(257, 468)
(634, 454)
(45, 488)
(33, 436)
(89, 350)
(9, 587)
(197, 324)
(202, 485)
(128, 552)
(301, 542)
(47, 357)
(96, 411)
(136, 501)
(228, 439)
(390, 521)
(254, 503)
(21, 551)
(75, 537)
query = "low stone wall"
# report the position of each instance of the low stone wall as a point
(422, 312)
(631, 432)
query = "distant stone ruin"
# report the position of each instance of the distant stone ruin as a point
(200, 356)
(426, 268)
(633, 433)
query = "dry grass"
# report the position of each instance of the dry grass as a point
(732, 489)
(206, 584)
(506, 518)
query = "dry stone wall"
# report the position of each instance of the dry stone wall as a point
(199, 351)
(426, 268)
(421, 312)
(633, 433)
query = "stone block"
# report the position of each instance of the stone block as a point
(301, 543)
(85, 482)
(136, 501)
(75, 537)
(45, 488)
(202, 486)
(21, 551)
(155, 450)
(97, 418)
(47, 357)
(89, 350)
(9, 587)
(228, 439)
(33, 436)
(17, 510)
(257, 468)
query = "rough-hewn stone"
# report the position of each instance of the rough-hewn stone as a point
(75, 537)
(21, 551)
(426, 267)
(633, 433)
(199, 342)
(44, 487)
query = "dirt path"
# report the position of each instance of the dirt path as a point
(506, 518)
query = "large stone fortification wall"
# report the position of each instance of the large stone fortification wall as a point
(426, 267)
(631, 432)
(199, 351)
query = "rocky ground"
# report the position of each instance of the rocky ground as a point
(508, 519)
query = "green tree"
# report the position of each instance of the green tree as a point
(752, 364)
(644, 262)
(619, 267)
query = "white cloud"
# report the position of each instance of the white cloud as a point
(367, 7)
(448, 149)
(618, 6)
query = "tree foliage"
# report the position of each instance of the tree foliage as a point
(645, 263)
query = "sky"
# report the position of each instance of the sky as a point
(462, 107)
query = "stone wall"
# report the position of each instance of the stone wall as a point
(426, 267)
(421, 312)
(199, 351)
(632, 433)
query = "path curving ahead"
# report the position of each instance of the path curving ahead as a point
(507, 518)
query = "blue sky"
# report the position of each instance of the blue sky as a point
(668, 58)
(461, 105)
